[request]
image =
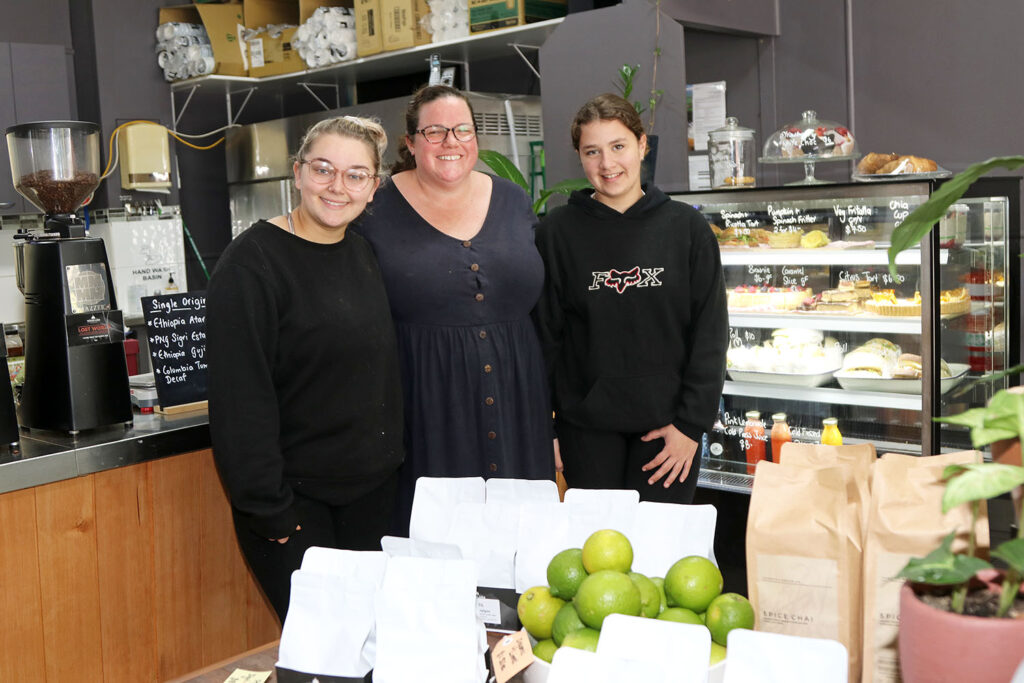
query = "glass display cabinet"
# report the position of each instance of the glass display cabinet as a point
(820, 329)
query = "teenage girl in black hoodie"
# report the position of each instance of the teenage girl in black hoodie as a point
(633, 318)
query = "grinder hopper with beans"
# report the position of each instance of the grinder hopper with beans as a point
(76, 376)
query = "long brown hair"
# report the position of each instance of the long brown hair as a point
(426, 94)
(606, 107)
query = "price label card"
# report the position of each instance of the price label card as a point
(510, 655)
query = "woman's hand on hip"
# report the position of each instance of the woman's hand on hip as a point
(558, 458)
(674, 459)
(285, 539)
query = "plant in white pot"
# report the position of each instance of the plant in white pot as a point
(960, 618)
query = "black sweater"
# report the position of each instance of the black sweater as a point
(304, 389)
(633, 317)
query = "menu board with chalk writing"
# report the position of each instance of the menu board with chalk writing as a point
(176, 324)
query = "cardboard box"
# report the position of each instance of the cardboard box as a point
(542, 10)
(223, 23)
(493, 15)
(402, 27)
(268, 55)
(369, 28)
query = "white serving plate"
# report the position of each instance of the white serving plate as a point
(883, 177)
(789, 379)
(901, 386)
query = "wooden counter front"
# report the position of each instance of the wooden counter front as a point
(131, 574)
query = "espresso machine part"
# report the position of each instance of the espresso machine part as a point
(9, 433)
(76, 376)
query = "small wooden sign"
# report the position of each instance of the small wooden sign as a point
(176, 325)
(510, 655)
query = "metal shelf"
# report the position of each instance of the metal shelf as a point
(822, 257)
(833, 323)
(375, 67)
(870, 399)
(724, 481)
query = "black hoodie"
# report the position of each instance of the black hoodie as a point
(633, 316)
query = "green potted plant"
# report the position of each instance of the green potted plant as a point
(960, 618)
(504, 168)
(626, 76)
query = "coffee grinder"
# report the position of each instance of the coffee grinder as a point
(76, 376)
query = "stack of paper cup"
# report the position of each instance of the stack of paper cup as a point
(447, 20)
(183, 51)
(327, 37)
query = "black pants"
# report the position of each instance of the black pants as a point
(592, 459)
(358, 525)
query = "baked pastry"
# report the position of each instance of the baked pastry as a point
(885, 302)
(907, 164)
(813, 240)
(874, 161)
(909, 366)
(767, 298)
(875, 358)
(785, 240)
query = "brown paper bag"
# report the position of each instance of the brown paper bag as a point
(905, 520)
(857, 462)
(803, 556)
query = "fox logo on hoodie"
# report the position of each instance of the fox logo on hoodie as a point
(620, 280)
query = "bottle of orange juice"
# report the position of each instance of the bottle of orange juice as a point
(754, 440)
(830, 435)
(780, 435)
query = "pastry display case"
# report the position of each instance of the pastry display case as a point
(821, 330)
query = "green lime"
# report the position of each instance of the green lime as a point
(566, 573)
(545, 649)
(606, 592)
(693, 582)
(717, 653)
(680, 614)
(650, 598)
(660, 583)
(726, 612)
(537, 609)
(584, 639)
(566, 621)
(607, 549)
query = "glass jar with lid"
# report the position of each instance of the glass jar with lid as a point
(732, 152)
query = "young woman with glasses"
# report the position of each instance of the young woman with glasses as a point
(462, 272)
(304, 389)
(633, 318)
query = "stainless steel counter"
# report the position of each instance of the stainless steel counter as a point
(44, 457)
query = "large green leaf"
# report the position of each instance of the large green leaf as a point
(915, 226)
(981, 481)
(965, 386)
(1012, 553)
(941, 567)
(565, 187)
(504, 168)
(1002, 418)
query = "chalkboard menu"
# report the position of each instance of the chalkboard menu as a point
(177, 346)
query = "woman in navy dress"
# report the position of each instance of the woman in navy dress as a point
(456, 249)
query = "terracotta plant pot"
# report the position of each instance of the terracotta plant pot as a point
(939, 647)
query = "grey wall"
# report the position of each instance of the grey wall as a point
(576, 65)
(949, 89)
(955, 93)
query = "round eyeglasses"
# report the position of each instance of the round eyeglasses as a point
(463, 132)
(323, 172)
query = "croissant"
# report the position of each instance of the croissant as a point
(874, 161)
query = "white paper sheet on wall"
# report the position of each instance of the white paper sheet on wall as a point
(707, 102)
